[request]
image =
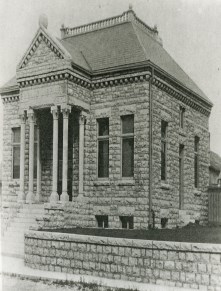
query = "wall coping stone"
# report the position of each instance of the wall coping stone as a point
(124, 242)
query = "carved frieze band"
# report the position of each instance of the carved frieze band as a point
(181, 96)
(186, 98)
(84, 82)
(8, 99)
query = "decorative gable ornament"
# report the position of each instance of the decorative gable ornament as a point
(43, 35)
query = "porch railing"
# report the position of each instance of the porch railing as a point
(214, 204)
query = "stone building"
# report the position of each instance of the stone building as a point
(104, 127)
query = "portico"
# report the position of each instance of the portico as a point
(52, 122)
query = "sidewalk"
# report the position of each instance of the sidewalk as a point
(15, 267)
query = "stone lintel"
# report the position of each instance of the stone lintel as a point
(80, 104)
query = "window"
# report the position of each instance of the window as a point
(164, 126)
(16, 139)
(103, 147)
(182, 114)
(127, 222)
(127, 123)
(181, 175)
(196, 161)
(35, 151)
(102, 221)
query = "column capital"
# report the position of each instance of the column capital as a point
(82, 117)
(65, 109)
(23, 117)
(31, 116)
(55, 112)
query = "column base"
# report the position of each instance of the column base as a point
(21, 196)
(38, 197)
(54, 197)
(64, 197)
(80, 196)
(30, 197)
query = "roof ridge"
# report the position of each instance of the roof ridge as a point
(127, 16)
(139, 40)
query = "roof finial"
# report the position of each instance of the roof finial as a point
(43, 21)
(130, 6)
(155, 28)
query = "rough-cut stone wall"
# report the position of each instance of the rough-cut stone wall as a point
(115, 196)
(189, 265)
(78, 95)
(166, 194)
(10, 186)
(43, 95)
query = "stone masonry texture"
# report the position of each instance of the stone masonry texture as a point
(189, 265)
(115, 196)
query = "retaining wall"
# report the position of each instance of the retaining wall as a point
(189, 265)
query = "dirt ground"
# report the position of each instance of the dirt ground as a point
(191, 233)
(19, 284)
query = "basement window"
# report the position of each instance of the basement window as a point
(127, 222)
(102, 221)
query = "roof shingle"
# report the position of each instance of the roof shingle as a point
(124, 44)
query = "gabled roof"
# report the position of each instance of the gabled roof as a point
(43, 34)
(11, 83)
(10, 86)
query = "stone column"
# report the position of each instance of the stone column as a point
(54, 195)
(38, 197)
(64, 196)
(82, 119)
(21, 195)
(31, 119)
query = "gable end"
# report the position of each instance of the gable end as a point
(48, 43)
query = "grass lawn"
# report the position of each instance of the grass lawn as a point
(198, 234)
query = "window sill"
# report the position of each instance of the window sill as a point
(125, 182)
(102, 183)
(14, 182)
(165, 186)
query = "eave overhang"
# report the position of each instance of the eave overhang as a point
(89, 79)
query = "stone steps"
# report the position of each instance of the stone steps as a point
(13, 239)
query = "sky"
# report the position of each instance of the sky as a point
(190, 30)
